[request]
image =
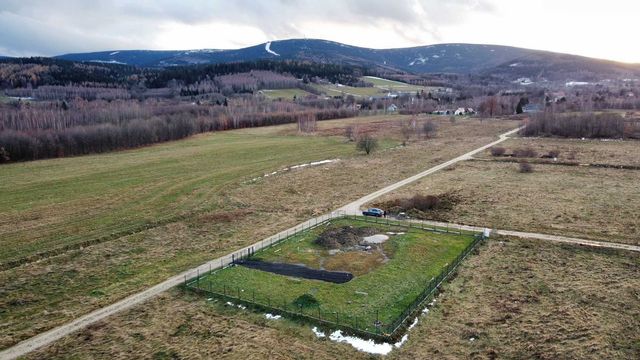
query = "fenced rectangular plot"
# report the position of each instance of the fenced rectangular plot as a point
(396, 267)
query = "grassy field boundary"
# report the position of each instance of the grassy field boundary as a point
(561, 163)
(332, 319)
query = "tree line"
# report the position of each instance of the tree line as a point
(89, 139)
(582, 125)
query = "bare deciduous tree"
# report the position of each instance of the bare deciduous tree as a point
(351, 132)
(307, 123)
(429, 128)
(407, 130)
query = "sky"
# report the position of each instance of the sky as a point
(602, 29)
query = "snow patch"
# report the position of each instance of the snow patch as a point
(375, 239)
(115, 53)
(108, 62)
(368, 346)
(413, 324)
(515, 65)
(422, 60)
(272, 317)
(576, 83)
(435, 56)
(268, 48)
(229, 303)
(294, 167)
(523, 81)
(318, 333)
(402, 341)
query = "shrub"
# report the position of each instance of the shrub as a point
(367, 143)
(306, 301)
(4, 156)
(554, 154)
(498, 151)
(525, 167)
(525, 153)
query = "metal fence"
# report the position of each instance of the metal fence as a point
(365, 324)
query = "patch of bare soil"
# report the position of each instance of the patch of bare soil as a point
(343, 237)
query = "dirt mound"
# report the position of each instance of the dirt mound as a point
(433, 207)
(343, 237)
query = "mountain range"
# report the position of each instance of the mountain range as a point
(495, 60)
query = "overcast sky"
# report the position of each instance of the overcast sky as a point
(604, 29)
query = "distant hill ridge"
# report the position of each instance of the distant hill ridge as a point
(511, 62)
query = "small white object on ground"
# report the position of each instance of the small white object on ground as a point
(272, 317)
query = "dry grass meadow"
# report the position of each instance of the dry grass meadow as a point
(218, 210)
(588, 151)
(515, 298)
(594, 203)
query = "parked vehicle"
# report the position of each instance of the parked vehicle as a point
(373, 212)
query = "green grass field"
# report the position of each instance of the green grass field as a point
(45, 205)
(388, 289)
(381, 87)
(391, 85)
(285, 93)
(335, 90)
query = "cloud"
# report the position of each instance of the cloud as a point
(49, 27)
